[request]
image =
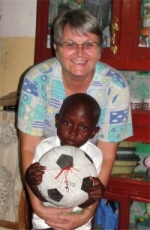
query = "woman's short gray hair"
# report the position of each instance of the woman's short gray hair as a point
(80, 21)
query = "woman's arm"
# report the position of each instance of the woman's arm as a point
(109, 151)
(28, 144)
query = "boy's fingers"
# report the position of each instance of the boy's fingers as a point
(95, 180)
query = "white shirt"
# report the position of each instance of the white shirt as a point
(51, 142)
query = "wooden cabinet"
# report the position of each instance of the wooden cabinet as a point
(141, 126)
(126, 16)
(129, 56)
(41, 51)
(126, 191)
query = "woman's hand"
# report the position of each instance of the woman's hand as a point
(72, 220)
(49, 214)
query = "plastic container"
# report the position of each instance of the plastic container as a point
(105, 216)
(126, 150)
(98, 215)
(146, 103)
(124, 168)
(108, 218)
(125, 163)
(135, 103)
(144, 225)
(127, 157)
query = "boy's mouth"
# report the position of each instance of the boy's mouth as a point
(71, 142)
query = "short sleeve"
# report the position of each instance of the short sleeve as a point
(116, 121)
(111, 91)
(41, 97)
(31, 110)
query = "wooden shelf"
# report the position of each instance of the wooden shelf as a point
(141, 126)
(125, 191)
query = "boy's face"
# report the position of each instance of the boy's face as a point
(75, 126)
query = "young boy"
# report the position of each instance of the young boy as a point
(76, 123)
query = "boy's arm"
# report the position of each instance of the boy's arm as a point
(33, 177)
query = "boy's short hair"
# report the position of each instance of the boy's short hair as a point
(82, 99)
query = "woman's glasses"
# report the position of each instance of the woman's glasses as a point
(86, 46)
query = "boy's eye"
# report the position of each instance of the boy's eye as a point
(67, 122)
(84, 128)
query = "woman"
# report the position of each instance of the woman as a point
(77, 43)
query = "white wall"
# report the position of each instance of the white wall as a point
(17, 41)
(18, 18)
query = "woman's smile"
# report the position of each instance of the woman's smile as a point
(79, 62)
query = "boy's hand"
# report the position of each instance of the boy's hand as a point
(33, 175)
(97, 190)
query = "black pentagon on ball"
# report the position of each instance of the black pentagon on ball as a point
(54, 194)
(65, 161)
(86, 183)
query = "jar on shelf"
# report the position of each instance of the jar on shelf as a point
(146, 103)
(135, 103)
(143, 38)
(146, 18)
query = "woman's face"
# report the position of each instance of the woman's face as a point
(78, 62)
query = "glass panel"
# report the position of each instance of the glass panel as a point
(144, 34)
(140, 215)
(58, 6)
(55, 8)
(101, 9)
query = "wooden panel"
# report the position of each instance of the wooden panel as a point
(125, 191)
(141, 126)
(41, 51)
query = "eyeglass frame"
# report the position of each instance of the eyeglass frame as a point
(82, 44)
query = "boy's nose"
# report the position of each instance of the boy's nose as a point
(73, 131)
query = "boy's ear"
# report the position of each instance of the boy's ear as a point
(56, 119)
(96, 130)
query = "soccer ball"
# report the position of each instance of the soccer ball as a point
(66, 180)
